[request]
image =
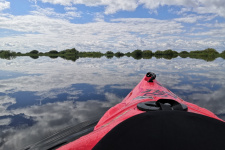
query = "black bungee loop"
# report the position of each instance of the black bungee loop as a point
(152, 75)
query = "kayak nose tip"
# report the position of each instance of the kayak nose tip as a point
(151, 75)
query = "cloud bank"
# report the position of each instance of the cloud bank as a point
(196, 24)
(113, 6)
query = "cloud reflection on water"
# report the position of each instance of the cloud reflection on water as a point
(67, 92)
(52, 117)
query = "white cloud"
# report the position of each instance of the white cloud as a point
(216, 30)
(70, 8)
(199, 6)
(61, 2)
(118, 5)
(4, 5)
(194, 18)
(113, 6)
(50, 12)
(211, 6)
(152, 4)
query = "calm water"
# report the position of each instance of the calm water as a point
(41, 96)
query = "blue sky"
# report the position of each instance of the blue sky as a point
(115, 25)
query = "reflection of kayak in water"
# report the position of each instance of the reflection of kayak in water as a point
(151, 117)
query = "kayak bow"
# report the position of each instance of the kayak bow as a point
(123, 124)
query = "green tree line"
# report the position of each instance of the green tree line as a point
(73, 54)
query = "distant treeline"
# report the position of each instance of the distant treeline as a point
(208, 54)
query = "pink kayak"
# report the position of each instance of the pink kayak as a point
(152, 117)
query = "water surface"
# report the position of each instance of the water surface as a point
(41, 96)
